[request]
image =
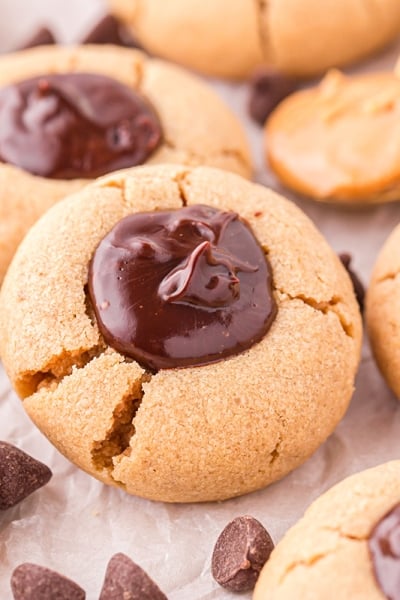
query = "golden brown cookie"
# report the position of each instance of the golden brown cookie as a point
(229, 38)
(197, 433)
(337, 142)
(186, 107)
(382, 300)
(345, 546)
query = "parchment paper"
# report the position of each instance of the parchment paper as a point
(75, 524)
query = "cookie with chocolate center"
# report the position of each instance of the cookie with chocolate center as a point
(346, 545)
(179, 331)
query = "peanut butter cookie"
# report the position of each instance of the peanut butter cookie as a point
(346, 545)
(229, 38)
(179, 332)
(338, 142)
(382, 300)
(70, 114)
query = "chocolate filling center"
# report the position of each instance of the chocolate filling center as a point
(184, 287)
(384, 547)
(75, 125)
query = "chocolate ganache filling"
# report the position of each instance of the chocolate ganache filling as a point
(182, 287)
(384, 547)
(75, 125)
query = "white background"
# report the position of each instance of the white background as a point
(75, 524)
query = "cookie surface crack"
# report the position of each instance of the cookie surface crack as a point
(180, 180)
(119, 184)
(274, 455)
(324, 307)
(312, 560)
(344, 535)
(118, 437)
(388, 277)
(57, 369)
(262, 7)
(307, 563)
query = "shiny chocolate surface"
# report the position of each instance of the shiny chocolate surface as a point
(183, 287)
(75, 125)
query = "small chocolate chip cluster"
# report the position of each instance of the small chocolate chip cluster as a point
(107, 31)
(124, 580)
(239, 554)
(20, 476)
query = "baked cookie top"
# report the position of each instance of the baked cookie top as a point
(345, 546)
(382, 318)
(184, 107)
(180, 434)
(338, 141)
(229, 38)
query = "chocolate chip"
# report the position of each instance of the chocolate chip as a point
(359, 289)
(32, 582)
(267, 89)
(42, 37)
(111, 31)
(240, 552)
(20, 475)
(125, 580)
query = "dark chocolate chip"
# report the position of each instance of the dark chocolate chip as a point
(182, 287)
(267, 89)
(125, 580)
(20, 475)
(241, 551)
(111, 31)
(359, 289)
(42, 37)
(32, 582)
(384, 548)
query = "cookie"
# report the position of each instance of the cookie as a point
(332, 142)
(345, 546)
(235, 412)
(31, 179)
(229, 38)
(382, 321)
